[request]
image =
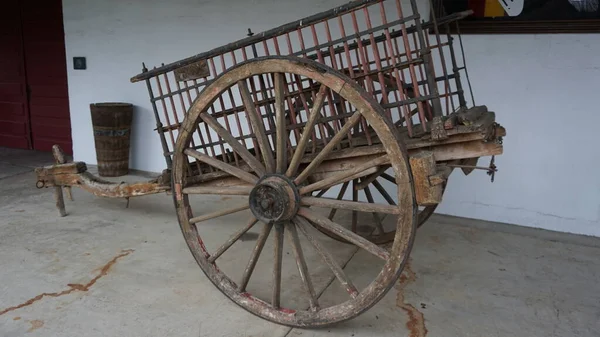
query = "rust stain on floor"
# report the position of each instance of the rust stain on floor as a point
(35, 324)
(416, 320)
(17, 318)
(72, 286)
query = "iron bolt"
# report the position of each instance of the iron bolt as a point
(266, 203)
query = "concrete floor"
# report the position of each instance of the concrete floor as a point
(105, 270)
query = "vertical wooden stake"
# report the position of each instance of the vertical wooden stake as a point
(59, 156)
(60, 201)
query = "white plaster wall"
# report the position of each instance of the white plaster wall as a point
(116, 36)
(536, 84)
(545, 91)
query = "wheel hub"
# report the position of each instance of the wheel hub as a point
(275, 198)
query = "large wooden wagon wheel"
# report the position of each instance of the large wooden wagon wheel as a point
(276, 186)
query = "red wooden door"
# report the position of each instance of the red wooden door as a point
(45, 64)
(14, 119)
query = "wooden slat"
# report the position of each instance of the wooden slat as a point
(254, 163)
(308, 130)
(282, 135)
(68, 168)
(219, 213)
(222, 166)
(464, 150)
(277, 263)
(258, 247)
(342, 176)
(322, 155)
(258, 127)
(233, 239)
(339, 273)
(302, 267)
(344, 233)
(217, 190)
(353, 205)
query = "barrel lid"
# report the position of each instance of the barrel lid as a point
(115, 104)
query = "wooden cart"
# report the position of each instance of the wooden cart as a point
(359, 110)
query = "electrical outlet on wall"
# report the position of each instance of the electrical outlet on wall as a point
(79, 63)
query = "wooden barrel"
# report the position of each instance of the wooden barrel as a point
(112, 129)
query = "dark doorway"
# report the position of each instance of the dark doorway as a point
(34, 103)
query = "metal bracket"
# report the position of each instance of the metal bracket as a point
(491, 169)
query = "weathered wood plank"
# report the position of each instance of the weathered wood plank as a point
(235, 171)
(317, 177)
(103, 188)
(351, 205)
(219, 213)
(231, 190)
(343, 176)
(68, 168)
(457, 147)
(423, 166)
(464, 150)
(59, 157)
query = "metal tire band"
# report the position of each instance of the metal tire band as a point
(111, 132)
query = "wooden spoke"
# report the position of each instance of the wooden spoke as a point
(233, 239)
(234, 143)
(339, 197)
(383, 192)
(364, 182)
(375, 216)
(276, 295)
(388, 177)
(260, 243)
(352, 205)
(308, 129)
(219, 213)
(354, 213)
(303, 225)
(239, 173)
(302, 268)
(219, 190)
(328, 148)
(258, 127)
(344, 175)
(339, 230)
(282, 135)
